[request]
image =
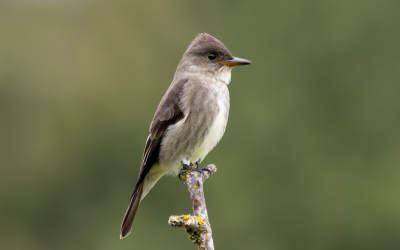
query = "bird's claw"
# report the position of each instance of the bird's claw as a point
(182, 173)
(186, 168)
(202, 170)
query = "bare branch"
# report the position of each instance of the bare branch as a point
(198, 226)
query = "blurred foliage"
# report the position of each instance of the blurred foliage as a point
(311, 149)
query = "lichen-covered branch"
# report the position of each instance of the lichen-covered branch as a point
(198, 225)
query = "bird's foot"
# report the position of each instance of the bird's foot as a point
(201, 170)
(195, 167)
(186, 169)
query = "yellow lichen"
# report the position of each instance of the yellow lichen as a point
(185, 217)
(195, 186)
(184, 176)
(200, 220)
(171, 219)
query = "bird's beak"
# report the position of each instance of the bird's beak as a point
(236, 61)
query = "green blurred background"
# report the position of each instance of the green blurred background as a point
(310, 159)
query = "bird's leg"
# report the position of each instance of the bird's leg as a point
(193, 167)
(184, 170)
(200, 170)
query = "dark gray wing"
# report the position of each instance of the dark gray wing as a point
(168, 113)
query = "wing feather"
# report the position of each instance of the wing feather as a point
(167, 114)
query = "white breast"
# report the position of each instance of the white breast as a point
(218, 126)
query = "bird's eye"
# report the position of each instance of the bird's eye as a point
(212, 56)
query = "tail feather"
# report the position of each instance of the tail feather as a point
(127, 222)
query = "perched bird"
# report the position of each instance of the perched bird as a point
(190, 119)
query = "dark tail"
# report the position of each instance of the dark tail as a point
(127, 222)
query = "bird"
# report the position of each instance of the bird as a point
(190, 119)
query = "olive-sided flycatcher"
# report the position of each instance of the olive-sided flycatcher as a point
(190, 119)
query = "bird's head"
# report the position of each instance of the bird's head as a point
(208, 55)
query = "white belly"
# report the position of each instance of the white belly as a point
(214, 135)
(197, 149)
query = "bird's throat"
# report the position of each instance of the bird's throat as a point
(224, 74)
